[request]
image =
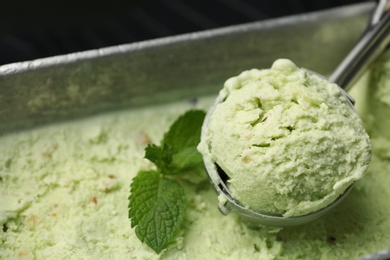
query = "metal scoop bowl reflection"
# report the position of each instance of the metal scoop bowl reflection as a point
(370, 45)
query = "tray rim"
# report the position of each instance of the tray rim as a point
(37, 64)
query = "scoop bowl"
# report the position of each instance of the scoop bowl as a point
(227, 202)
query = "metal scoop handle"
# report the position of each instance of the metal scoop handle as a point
(371, 44)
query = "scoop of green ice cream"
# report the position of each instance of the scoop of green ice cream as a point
(289, 141)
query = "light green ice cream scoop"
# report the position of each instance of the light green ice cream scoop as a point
(289, 142)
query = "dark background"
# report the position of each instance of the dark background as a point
(42, 28)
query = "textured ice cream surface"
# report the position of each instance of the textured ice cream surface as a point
(289, 141)
(378, 95)
(64, 192)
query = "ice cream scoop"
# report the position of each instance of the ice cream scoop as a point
(282, 142)
(285, 208)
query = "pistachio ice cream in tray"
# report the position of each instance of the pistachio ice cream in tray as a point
(99, 150)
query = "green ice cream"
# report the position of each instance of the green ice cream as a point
(64, 194)
(289, 141)
(378, 101)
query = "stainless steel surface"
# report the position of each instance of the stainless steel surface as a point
(81, 84)
(381, 255)
(372, 43)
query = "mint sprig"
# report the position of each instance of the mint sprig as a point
(157, 199)
(177, 151)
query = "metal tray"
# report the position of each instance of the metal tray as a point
(81, 84)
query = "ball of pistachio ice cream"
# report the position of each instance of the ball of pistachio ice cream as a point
(289, 141)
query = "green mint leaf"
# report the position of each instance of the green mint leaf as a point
(178, 148)
(185, 131)
(156, 202)
(188, 158)
(160, 156)
(156, 209)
